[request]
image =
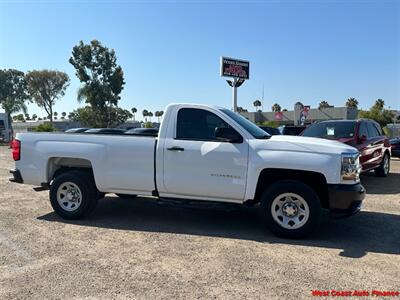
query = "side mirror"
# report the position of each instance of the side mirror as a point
(362, 139)
(229, 135)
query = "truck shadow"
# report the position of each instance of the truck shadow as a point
(381, 185)
(355, 237)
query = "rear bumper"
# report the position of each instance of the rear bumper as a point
(17, 178)
(345, 200)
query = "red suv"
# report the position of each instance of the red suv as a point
(365, 135)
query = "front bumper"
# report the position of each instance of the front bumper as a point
(345, 200)
(17, 178)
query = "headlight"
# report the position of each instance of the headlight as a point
(351, 167)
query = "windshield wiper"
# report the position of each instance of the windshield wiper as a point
(264, 137)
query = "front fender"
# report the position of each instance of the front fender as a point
(326, 164)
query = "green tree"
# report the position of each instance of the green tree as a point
(103, 80)
(145, 114)
(298, 103)
(134, 111)
(257, 104)
(63, 115)
(72, 116)
(13, 93)
(55, 114)
(27, 117)
(378, 113)
(20, 117)
(89, 117)
(352, 103)
(241, 109)
(159, 114)
(45, 87)
(276, 107)
(323, 104)
(150, 115)
(34, 117)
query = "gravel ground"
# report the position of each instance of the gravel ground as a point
(140, 249)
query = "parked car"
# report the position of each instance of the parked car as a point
(270, 130)
(291, 129)
(112, 131)
(76, 130)
(365, 135)
(201, 153)
(142, 131)
(395, 147)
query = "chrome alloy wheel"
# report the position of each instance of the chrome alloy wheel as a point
(290, 210)
(69, 196)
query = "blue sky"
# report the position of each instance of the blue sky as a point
(169, 51)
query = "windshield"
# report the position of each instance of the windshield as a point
(252, 128)
(331, 130)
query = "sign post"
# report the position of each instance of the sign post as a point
(239, 70)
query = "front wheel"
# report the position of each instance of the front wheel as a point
(291, 209)
(384, 168)
(73, 195)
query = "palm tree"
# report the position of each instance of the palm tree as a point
(150, 115)
(145, 113)
(352, 103)
(134, 111)
(159, 114)
(257, 104)
(379, 104)
(276, 107)
(298, 103)
(323, 104)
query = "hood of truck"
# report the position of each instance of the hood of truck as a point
(303, 144)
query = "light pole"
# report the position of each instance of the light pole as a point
(235, 83)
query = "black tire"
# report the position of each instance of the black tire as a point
(126, 196)
(381, 171)
(294, 187)
(88, 202)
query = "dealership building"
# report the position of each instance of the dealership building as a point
(312, 115)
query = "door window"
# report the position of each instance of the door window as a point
(198, 124)
(373, 132)
(363, 130)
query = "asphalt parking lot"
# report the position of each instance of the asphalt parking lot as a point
(139, 249)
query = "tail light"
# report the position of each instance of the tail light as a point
(16, 149)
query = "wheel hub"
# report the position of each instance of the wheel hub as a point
(290, 209)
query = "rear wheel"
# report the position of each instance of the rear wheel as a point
(73, 195)
(291, 209)
(384, 168)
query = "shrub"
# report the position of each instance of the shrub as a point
(46, 127)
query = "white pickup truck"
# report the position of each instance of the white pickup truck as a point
(202, 153)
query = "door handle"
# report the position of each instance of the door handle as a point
(175, 148)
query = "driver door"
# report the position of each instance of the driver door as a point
(197, 165)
